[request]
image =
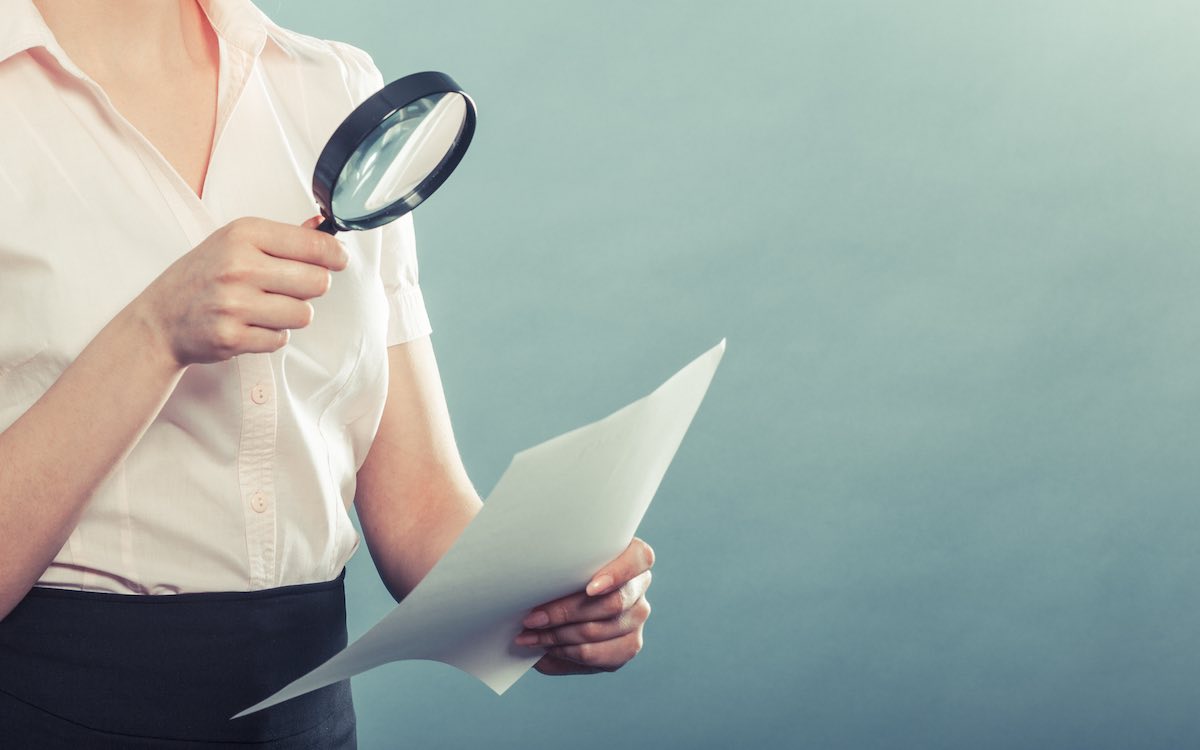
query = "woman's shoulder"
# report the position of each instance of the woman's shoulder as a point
(320, 58)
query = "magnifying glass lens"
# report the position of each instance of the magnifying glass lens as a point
(398, 155)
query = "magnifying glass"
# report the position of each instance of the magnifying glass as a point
(392, 152)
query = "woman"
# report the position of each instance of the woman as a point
(193, 388)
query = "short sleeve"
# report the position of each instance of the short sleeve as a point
(362, 75)
(407, 317)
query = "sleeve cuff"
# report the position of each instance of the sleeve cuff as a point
(407, 317)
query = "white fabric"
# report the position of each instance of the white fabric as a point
(244, 479)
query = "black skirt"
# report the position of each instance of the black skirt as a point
(90, 670)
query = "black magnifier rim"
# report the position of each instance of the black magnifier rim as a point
(363, 121)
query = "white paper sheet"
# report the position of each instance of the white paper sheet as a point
(560, 511)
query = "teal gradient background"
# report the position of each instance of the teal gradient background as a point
(943, 491)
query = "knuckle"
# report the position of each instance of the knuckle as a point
(635, 590)
(614, 603)
(225, 276)
(239, 230)
(316, 247)
(625, 623)
(559, 614)
(225, 336)
(584, 653)
(643, 610)
(238, 309)
(224, 304)
(638, 642)
(232, 270)
(591, 631)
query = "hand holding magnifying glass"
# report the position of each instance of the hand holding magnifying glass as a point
(392, 152)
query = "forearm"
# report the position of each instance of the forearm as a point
(64, 445)
(414, 496)
(405, 546)
(402, 564)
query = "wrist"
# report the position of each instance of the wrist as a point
(147, 331)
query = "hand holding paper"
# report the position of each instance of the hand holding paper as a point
(598, 629)
(561, 510)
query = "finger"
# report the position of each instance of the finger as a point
(637, 558)
(263, 340)
(580, 607)
(290, 242)
(299, 280)
(312, 223)
(589, 632)
(280, 312)
(555, 666)
(608, 655)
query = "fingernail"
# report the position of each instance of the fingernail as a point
(527, 639)
(536, 619)
(600, 585)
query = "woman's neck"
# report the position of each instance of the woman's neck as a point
(131, 38)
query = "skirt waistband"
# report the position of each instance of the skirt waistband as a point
(176, 666)
(298, 589)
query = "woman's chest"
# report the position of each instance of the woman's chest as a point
(94, 214)
(178, 120)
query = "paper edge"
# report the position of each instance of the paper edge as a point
(499, 687)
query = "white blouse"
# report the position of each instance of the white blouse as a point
(244, 479)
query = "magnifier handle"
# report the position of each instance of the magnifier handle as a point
(327, 227)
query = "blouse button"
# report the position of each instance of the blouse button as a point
(258, 394)
(258, 501)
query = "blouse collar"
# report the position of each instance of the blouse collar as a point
(238, 23)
